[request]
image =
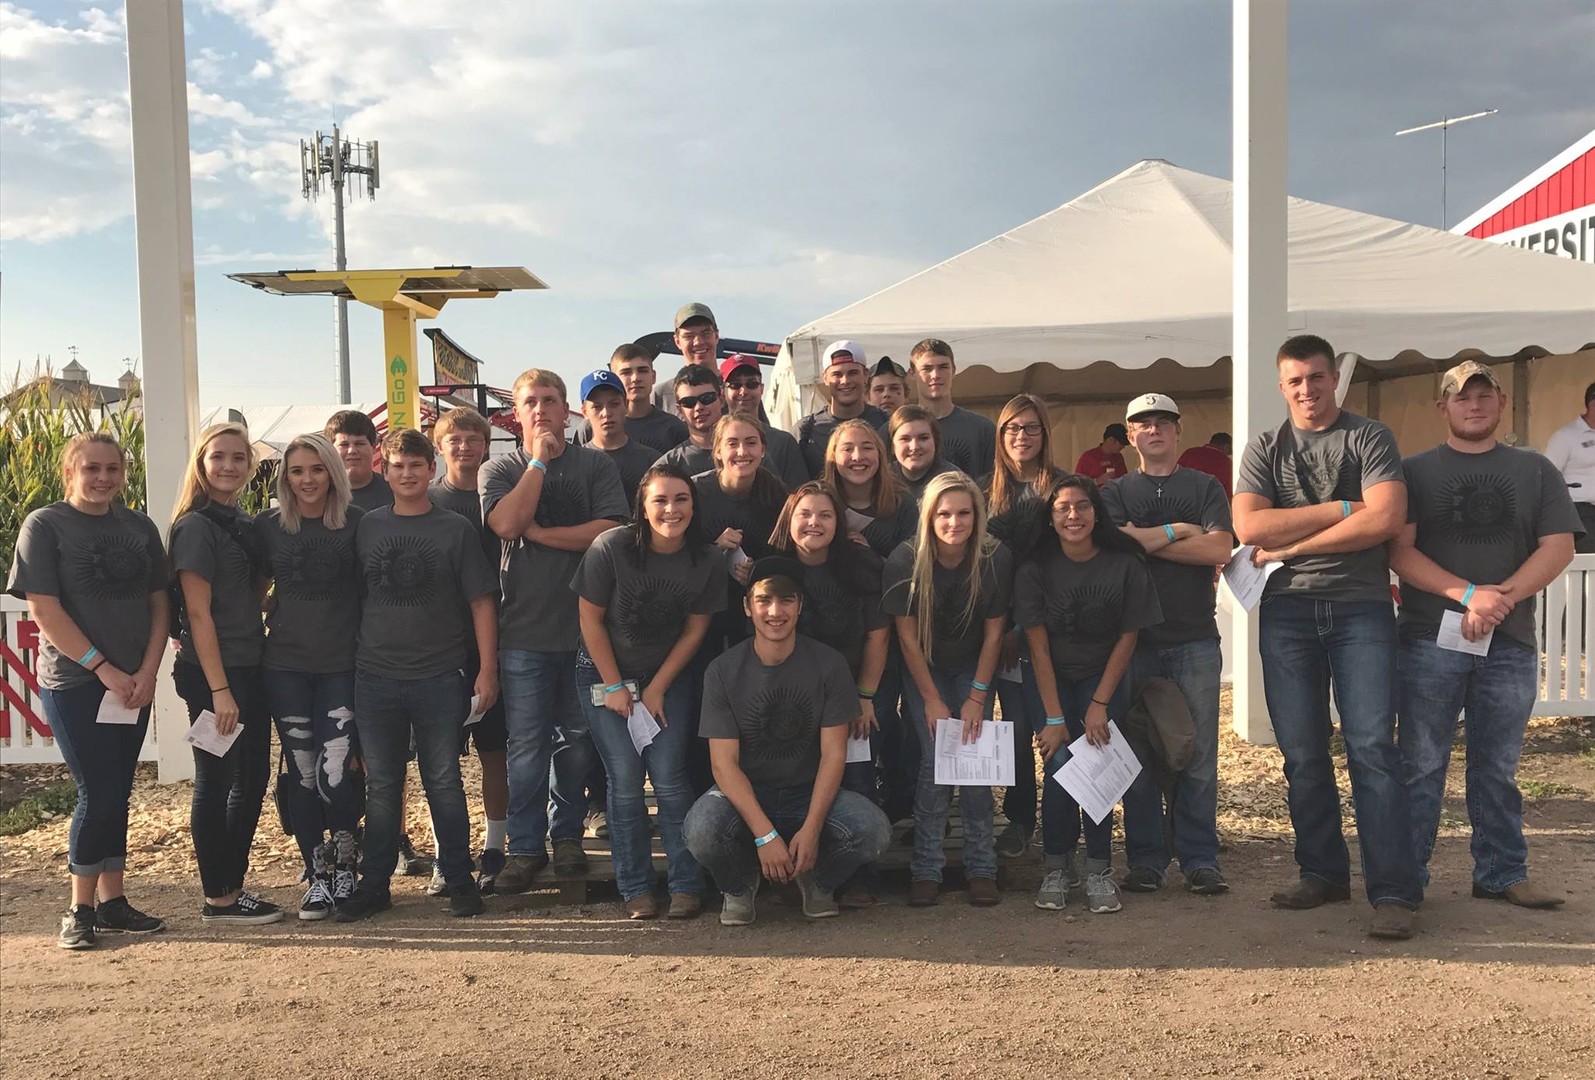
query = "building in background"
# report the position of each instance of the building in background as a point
(1552, 209)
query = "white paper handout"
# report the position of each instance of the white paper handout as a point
(1246, 581)
(641, 725)
(858, 522)
(736, 558)
(1098, 776)
(112, 711)
(986, 762)
(858, 749)
(203, 734)
(1451, 636)
(477, 712)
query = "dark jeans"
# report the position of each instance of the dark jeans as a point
(859, 778)
(389, 713)
(933, 801)
(1062, 820)
(228, 790)
(898, 747)
(101, 759)
(1306, 643)
(1195, 667)
(1495, 693)
(1021, 704)
(549, 748)
(855, 833)
(315, 723)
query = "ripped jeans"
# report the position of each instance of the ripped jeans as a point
(315, 723)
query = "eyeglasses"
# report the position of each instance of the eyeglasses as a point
(1031, 430)
(708, 397)
(745, 384)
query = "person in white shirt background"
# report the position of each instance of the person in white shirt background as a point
(1572, 451)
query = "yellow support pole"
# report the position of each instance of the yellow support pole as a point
(398, 334)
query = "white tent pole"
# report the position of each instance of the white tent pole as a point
(1260, 260)
(163, 214)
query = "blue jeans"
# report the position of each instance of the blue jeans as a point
(315, 723)
(665, 762)
(388, 713)
(1062, 820)
(898, 747)
(859, 778)
(228, 790)
(855, 833)
(549, 748)
(933, 800)
(1195, 667)
(1021, 704)
(1305, 643)
(101, 759)
(1497, 692)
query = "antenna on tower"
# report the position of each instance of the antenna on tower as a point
(331, 161)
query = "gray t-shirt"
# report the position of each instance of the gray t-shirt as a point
(467, 504)
(647, 596)
(1025, 521)
(841, 613)
(581, 485)
(885, 531)
(781, 464)
(1085, 606)
(198, 544)
(687, 457)
(1186, 593)
(781, 456)
(374, 496)
(102, 568)
(632, 460)
(658, 431)
(421, 573)
(954, 642)
(814, 434)
(915, 489)
(316, 615)
(1313, 467)
(776, 711)
(1481, 516)
(968, 441)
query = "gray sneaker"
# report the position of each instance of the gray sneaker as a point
(817, 903)
(1076, 872)
(1054, 892)
(1102, 894)
(437, 886)
(737, 909)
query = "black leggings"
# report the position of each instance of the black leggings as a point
(228, 790)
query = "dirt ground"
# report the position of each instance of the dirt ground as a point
(1174, 985)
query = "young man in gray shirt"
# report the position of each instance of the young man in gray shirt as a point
(644, 423)
(603, 403)
(968, 440)
(1322, 494)
(846, 382)
(700, 398)
(547, 501)
(744, 383)
(354, 436)
(1181, 517)
(427, 589)
(1488, 527)
(776, 710)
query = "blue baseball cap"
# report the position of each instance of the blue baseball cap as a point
(601, 377)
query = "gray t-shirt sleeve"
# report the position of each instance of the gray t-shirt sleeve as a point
(715, 719)
(34, 567)
(478, 577)
(608, 497)
(1215, 507)
(1557, 513)
(595, 574)
(1000, 598)
(1030, 595)
(1113, 501)
(1256, 473)
(1141, 608)
(895, 580)
(194, 544)
(839, 704)
(497, 479)
(1378, 454)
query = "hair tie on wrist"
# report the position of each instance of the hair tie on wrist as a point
(219, 689)
(1104, 704)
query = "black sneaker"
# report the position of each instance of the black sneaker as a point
(1206, 881)
(1142, 879)
(247, 910)
(362, 905)
(318, 903)
(410, 864)
(491, 861)
(343, 883)
(77, 929)
(119, 917)
(464, 899)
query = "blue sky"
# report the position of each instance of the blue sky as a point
(776, 160)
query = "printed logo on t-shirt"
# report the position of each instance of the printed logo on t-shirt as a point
(112, 566)
(831, 614)
(402, 571)
(1474, 508)
(312, 567)
(957, 451)
(1317, 476)
(650, 610)
(1084, 611)
(560, 503)
(786, 726)
(1167, 509)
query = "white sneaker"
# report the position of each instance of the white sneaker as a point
(817, 903)
(1054, 892)
(1102, 893)
(737, 909)
(318, 902)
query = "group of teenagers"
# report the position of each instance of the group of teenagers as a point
(763, 598)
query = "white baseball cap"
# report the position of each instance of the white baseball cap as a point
(1151, 403)
(851, 348)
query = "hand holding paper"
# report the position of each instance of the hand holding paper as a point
(1245, 579)
(203, 733)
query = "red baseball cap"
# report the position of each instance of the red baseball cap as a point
(739, 360)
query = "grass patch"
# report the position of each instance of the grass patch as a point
(1588, 755)
(35, 810)
(1545, 789)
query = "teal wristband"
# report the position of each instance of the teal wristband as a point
(83, 661)
(766, 838)
(1168, 531)
(1345, 508)
(539, 466)
(615, 688)
(1467, 595)
(976, 684)
(1054, 721)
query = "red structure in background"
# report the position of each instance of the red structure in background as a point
(21, 662)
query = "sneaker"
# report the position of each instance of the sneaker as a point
(1206, 881)
(1013, 841)
(1075, 874)
(247, 910)
(598, 825)
(1054, 892)
(77, 929)
(438, 885)
(491, 861)
(1143, 879)
(570, 860)
(818, 903)
(1392, 922)
(684, 905)
(318, 902)
(362, 905)
(410, 864)
(518, 872)
(737, 909)
(1102, 894)
(119, 917)
(983, 892)
(464, 899)
(923, 893)
(343, 883)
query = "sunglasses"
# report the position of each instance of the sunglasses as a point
(708, 397)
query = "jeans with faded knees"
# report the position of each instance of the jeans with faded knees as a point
(315, 724)
(550, 750)
(855, 833)
(932, 801)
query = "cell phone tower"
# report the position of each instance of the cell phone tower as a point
(341, 164)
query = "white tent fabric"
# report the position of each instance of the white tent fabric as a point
(1138, 270)
(273, 427)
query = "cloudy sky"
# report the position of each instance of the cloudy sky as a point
(776, 160)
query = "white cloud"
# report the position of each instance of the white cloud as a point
(261, 70)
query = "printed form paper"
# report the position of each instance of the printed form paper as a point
(112, 711)
(477, 712)
(203, 734)
(1098, 776)
(858, 750)
(641, 725)
(1451, 637)
(986, 762)
(735, 559)
(1246, 581)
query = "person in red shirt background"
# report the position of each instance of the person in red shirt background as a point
(1213, 459)
(1106, 461)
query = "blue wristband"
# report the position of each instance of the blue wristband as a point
(1345, 508)
(83, 661)
(1467, 595)
(539, 466)
(615, 688)
(976, 684)
(766, 838)
(1054, 721)
(1168, 531)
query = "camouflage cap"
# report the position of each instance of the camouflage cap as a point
(1455, 379)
